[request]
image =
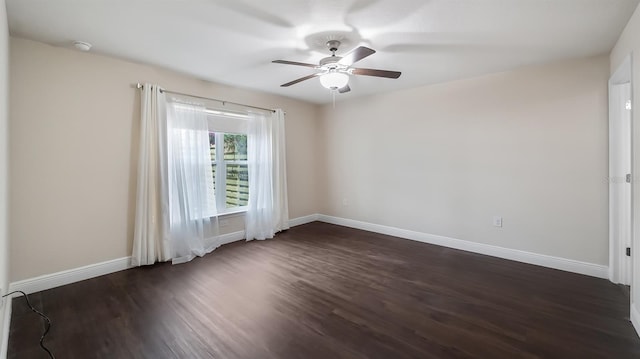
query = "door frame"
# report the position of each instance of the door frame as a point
(626, 71)
(620, 265)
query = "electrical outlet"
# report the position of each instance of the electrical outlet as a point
(497, 221)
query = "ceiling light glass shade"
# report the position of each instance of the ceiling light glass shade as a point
(334, 80)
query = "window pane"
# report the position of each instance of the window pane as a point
(237, 185)
(235, 147)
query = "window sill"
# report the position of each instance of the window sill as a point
(233, 212)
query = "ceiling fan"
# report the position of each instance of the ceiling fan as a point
(334, 70)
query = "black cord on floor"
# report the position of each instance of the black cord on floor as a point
(46, 320)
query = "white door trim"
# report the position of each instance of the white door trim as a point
(620, 164)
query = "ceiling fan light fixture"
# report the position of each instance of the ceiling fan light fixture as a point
(334, 80)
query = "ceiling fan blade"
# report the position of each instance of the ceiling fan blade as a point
(285, 62)
(376, 73)
(356, 55)
(299, 80)
(346, 88)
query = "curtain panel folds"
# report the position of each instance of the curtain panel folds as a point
(151, 233)
(193, 215)
(268, 209)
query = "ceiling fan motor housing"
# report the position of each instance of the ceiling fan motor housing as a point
(330, 62)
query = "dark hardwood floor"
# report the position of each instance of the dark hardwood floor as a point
(324, 291)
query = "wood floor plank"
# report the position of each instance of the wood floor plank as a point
(325, 291)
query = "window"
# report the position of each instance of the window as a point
(230, 170)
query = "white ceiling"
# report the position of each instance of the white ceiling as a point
(234, 41)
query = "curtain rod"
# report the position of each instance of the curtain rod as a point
(139, 86)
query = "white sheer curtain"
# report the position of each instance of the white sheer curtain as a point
(151, 234)
(268, 210)
(193, 218)
(176, 216)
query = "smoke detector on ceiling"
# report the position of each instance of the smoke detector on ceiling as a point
(82, 46)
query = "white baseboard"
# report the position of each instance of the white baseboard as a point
(303, 220)
(569, 265)
(231, 237)
(240, 235)
(69, 276)
(635, 318)
(53, 280)
(4, 340)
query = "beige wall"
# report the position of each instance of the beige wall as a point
(629, 43)
(4, 83)
(529, 145)
(74, 134)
